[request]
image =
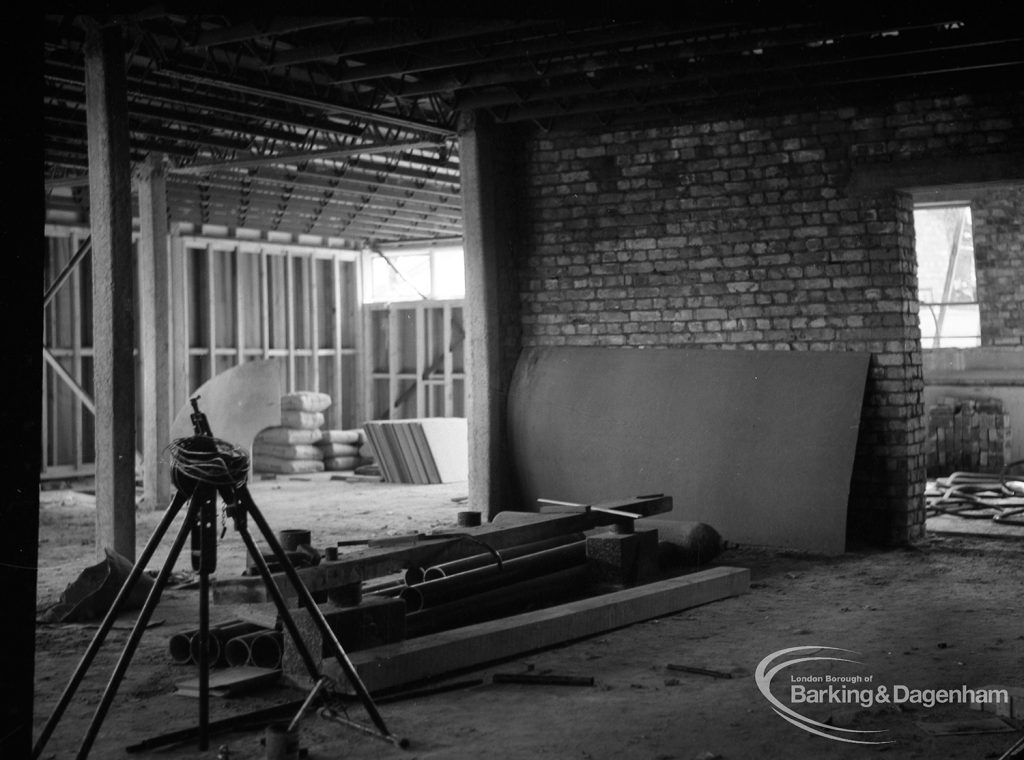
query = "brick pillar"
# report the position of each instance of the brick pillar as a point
(887, 489)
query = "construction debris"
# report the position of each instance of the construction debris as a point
(980, 496)
(542, 679)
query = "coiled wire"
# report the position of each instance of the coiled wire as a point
(205, 459)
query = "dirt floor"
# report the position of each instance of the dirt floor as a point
(946, 614)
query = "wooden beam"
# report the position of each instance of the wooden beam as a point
(155, 345)
(69, 380)
(485, 230)
(113, 320)
(417, 659)
(921, 175)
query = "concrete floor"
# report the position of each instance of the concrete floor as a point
(938, 616)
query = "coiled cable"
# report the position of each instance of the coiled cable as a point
(205, 459)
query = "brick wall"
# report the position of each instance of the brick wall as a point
(739, 234)
(998, 218)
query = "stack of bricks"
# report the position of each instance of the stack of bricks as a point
(967, 435)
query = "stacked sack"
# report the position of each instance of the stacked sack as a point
(293, 447)
(340, 448)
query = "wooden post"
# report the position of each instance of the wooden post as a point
(113, 329)
(487, 238)
(154, 315)
(180, 356)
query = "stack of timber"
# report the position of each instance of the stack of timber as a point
(424, 450)
(967, 434)
(561, 577)
(291, 448)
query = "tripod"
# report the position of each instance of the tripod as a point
(203, 468)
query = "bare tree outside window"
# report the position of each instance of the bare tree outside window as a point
(947, 286)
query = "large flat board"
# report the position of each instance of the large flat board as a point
(238, 403)
(759, 444)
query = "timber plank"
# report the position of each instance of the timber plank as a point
(363, 565)
(409, 661)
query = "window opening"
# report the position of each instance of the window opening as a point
(947, 283)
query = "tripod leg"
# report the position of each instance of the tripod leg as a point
(133, 640)
(314, 611)
(108, 622)
(205, 529)
(278, 598)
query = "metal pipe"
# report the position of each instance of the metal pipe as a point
(484, 559)
(481, 579)
(265, 650)
(219, 638)
(180, 644)
(260, 648)
(499, 601)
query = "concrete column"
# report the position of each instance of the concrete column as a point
(110, 216)
(490, 319)
(154, 316)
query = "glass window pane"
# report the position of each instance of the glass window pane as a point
(405, 278)
(449, 273)
(947, 286)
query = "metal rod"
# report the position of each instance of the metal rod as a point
(330, 714)
(136, 635)
(699, 671)
(108, 622)
(203, 661)
(447, 569)
(497, 601)
(236, 721)
(305, 705)
(483, 579)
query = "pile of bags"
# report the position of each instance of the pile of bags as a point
(301, 445)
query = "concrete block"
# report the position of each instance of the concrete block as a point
(624, 558)
(375, 621)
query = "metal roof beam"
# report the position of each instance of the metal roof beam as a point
(323, 106)
(302, 156)
(406, 35)
(251, 30)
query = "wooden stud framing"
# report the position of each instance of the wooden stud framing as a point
(289, 278)
(239, 309)
(314, 320)
(338, 390)
(154, 346)
(422, 348)
(449, 363)
(261, 283)
(428, 344)
(179, 322)
(264, 304)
